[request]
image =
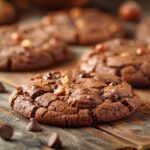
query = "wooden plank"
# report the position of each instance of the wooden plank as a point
(80, 138)
(135, 129)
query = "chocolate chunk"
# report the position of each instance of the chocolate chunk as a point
(6, 131)
(33, 126)
(2, 88)
(54, 141)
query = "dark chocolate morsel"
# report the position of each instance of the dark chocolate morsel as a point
(33, 126)
(54, 141)
(6, 131)
(2, 88)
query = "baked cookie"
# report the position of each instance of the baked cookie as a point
(143, 30)
(83, 26)
(25, 48)
(74, 99)
(8, 13)
(128, 59)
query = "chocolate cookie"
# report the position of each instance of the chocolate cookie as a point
(128, 59)
(83, 26)
(8, 13)
(74, 99)
(29, 47)
(143, 30)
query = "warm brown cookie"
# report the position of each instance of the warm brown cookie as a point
(128, 59)
(83, 26)
(143, 30)
(74, 99)
(8, 13)
(25, 48)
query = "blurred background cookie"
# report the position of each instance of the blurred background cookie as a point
(8, 12)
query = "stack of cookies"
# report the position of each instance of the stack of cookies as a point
(99, 88)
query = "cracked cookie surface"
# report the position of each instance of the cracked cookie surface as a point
(128, 59)
(29, 47)
(83, 26)
(73, 98)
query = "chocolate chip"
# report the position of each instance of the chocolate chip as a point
(6, 131)
(2, 88)
(54, 141)
(85, 75)
(47, 76)
(33, 126)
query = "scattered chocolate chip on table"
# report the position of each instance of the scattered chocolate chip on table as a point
(54, 140)
(33, 126)
(6, 131)
(2, 88)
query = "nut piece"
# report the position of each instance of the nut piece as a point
(140, 51)
(130, 11)
(54, 141)
(65, 80)
(26, 43)
(60, 91)
(124, 54)
(99, 47)
(16, 37)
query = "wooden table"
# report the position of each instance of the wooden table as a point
(130, 133)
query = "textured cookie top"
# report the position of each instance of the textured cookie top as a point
(126, 58)
(143, 30)
(74, 98)
(29, 47)
(83, 26)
